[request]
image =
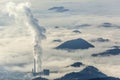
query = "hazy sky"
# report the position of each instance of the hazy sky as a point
(92, 7)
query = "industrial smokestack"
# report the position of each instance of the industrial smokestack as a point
(34, 69)
(22, 12)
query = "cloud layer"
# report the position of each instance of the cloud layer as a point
(16, 41)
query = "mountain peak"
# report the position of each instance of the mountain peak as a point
(75, 44)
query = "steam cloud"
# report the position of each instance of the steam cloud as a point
(22, 12)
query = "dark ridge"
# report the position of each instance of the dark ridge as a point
(89, 72)
(59, 9)
(83, 25)
(77, 64)
(100, 40)
(56, 26)
(107, 25)
(106, 78)
(57, 40)
(108, 53)
(76, 31)
(75, 44)
(116, 47)
(39, 78)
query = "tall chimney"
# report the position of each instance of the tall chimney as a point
(34, 66)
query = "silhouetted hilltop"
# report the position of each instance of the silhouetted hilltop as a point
(75, 44)
(108, 52)
(76, 31)
(108, 25)
(100, 40)
(105, 78)
(89, 72)
(57, 40)
(59, 9)
(77, 64)
(39, 78)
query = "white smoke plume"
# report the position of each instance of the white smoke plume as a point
(22, 12)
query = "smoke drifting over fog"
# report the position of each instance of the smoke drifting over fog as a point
(22, 13)
(15, 41)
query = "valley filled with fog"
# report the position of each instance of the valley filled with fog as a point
(86, 31)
